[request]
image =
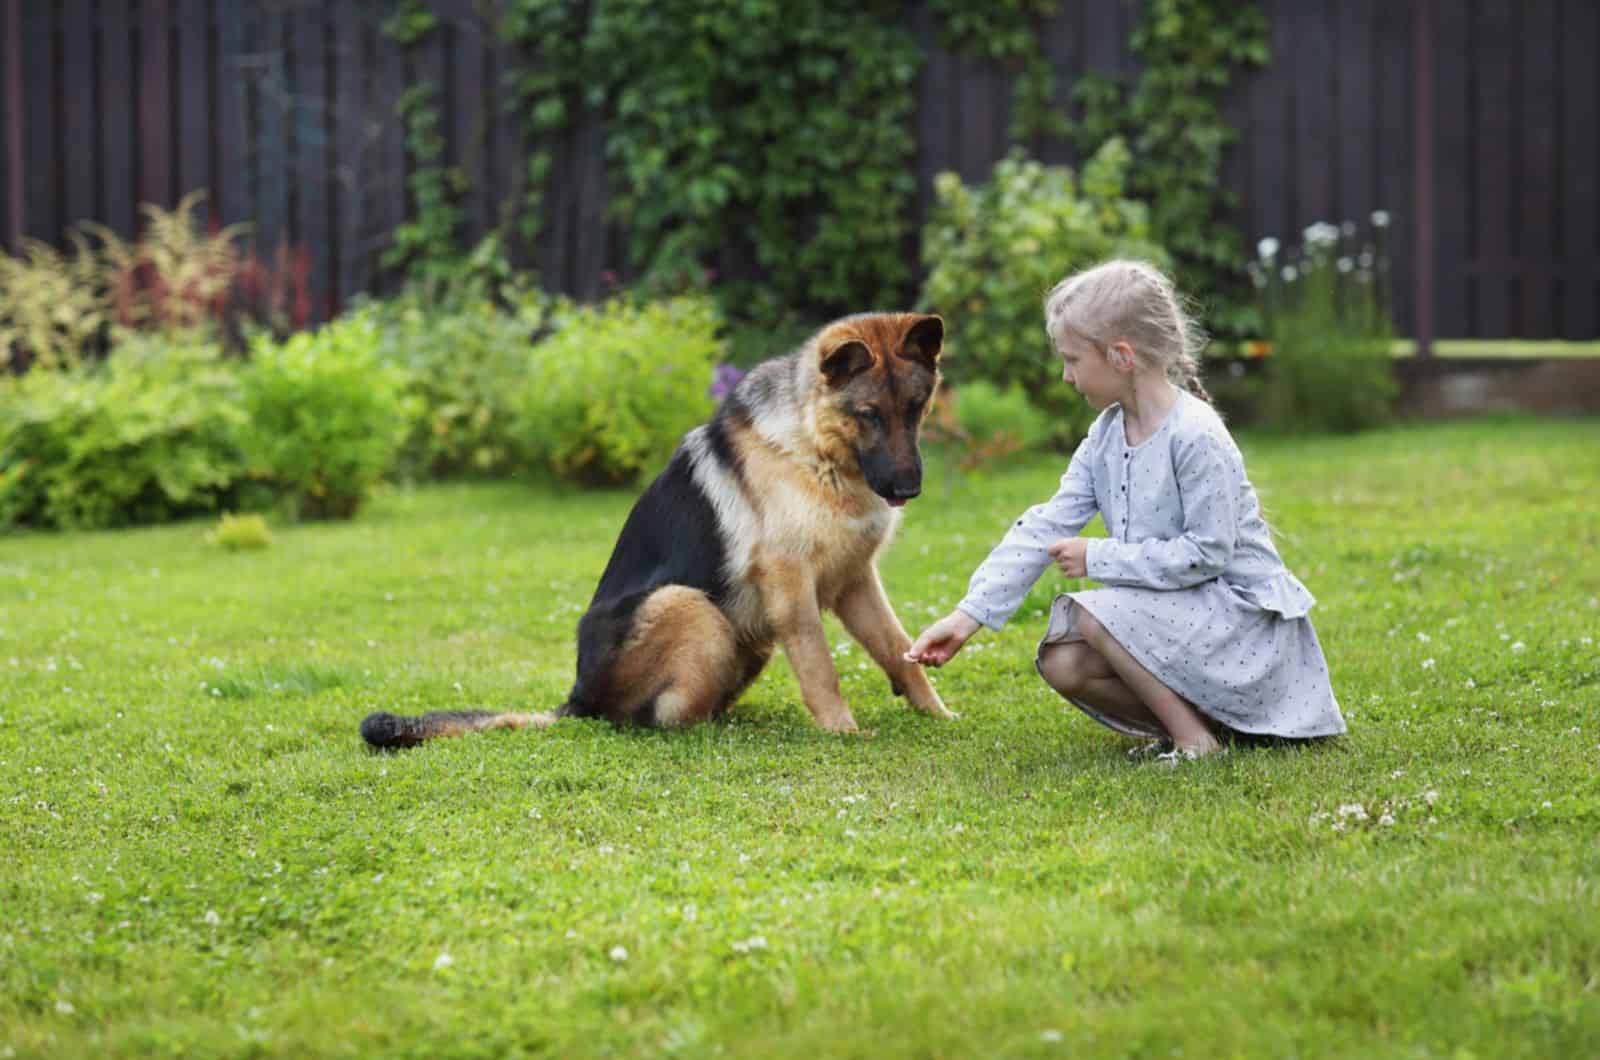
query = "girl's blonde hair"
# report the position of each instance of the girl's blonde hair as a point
(1136, 302)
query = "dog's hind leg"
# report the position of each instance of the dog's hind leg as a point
(680, 663)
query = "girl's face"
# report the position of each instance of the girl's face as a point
(1086, 367)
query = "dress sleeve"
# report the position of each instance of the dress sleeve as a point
(1000, 583)
(1210, 476)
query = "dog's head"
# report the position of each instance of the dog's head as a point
(876, 375)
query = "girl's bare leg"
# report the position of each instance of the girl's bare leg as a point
(1076, 670)
(1189, 730)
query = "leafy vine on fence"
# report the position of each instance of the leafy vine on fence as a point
(1190, 51)
(822, 95)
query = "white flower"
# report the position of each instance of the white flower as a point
(1050, 1036)
(1344, 264)
(1290, 273)
(1321, 234)
(1430, 796)
(95, 897)
(1387, 819)
(1471, 683)
(754, 942)
(1427, 664)
(1365, 259)
(1267, 248)
(1353, 809)
(1380, 218)
(1519, 647)
(65, 1008)
(212, 918)
(1424, 637)
(443, 961)
(619, 954)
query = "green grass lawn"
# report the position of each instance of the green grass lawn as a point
(198, 857)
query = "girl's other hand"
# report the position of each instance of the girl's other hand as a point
(939, 643)
(1072, 556)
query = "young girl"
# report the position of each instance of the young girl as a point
(1201, 632)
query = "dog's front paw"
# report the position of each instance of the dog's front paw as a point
(842, 723)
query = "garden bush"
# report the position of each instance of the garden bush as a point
(148, 436)
(326, 416)
(465, 361)
(979, 423)
(1328, 331)
(994, 251)
(615, 386)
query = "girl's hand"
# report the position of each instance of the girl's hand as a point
(1072, 556)
(939, 643)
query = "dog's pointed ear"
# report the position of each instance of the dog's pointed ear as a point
(844, 362)
(925, 341)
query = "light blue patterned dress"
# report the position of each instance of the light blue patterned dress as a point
(1194, 588)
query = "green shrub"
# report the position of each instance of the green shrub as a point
(52, 306)
(147, 437)
(1328, 330)
(466, 363)
(610, 393)
(980, 423)
(239, 532)
(993, 252)
(326, 416)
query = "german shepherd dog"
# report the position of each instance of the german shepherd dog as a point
(770, 513)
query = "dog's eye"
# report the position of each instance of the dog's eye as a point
(871, 417)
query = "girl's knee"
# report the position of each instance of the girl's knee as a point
(1062, 667)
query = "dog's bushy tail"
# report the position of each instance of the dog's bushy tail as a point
(392, 731)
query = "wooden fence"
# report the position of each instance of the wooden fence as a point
(1468, 120)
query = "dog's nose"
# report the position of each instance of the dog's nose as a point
(904, 493)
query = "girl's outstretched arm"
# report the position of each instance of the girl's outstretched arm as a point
(940, 642)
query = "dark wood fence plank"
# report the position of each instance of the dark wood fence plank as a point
(1579, 226)
(118, 180)
(1353, 72)
(42, 213)
(1392, 159)
(232, 148)
(1495, 75)
(80, 159)
(1535, 242)
(12, 162)
(1316, 138)
(348, 151)
(1454, 156)
(155, 103)
(388, 205)
(273, 102)
(192, 61)
(468, 116)
(312, 168)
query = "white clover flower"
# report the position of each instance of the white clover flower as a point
(443, 961)
(1344, 264)
(619, 954)
(212, 918)
(1430, 796)
(1427, 664)
(1387, 819)
(1267, 248)
(1365, 259)
(1380, 218)
(1518, 648)
(1353, 809)
(65, 1007)
(1471, 683)
(1051, 1036)
(1423, 637)
(1290, 273)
